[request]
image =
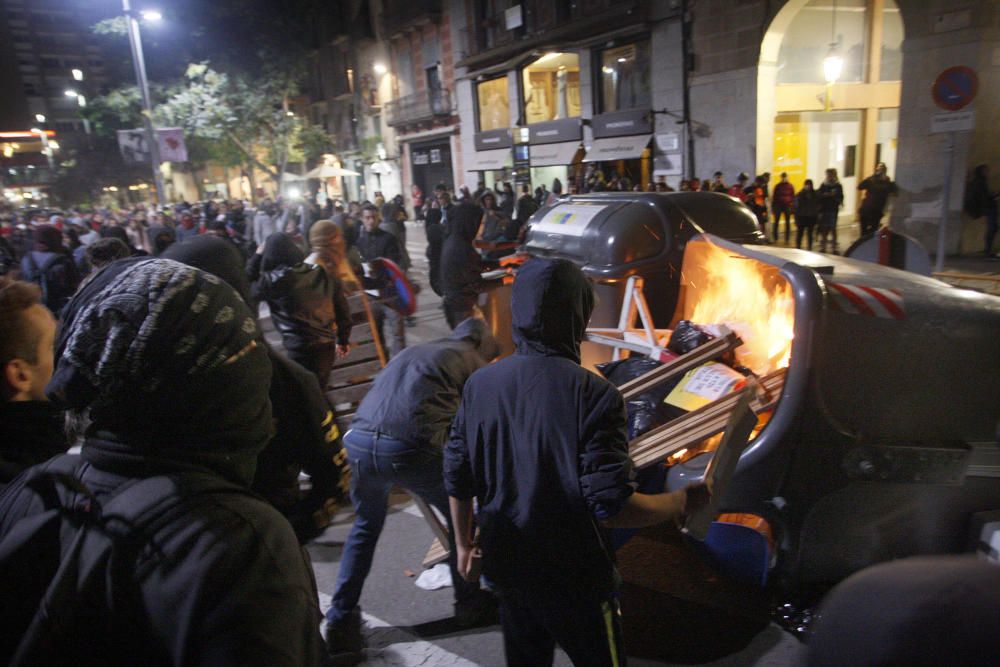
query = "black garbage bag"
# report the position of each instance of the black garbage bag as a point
(647, 410)
(686, 337)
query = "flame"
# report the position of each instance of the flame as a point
(748, 296)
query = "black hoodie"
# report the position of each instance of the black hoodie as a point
(461, 265)
(541, 443)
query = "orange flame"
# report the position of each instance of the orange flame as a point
(748, 296)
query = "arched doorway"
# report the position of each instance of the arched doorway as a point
(804, 124)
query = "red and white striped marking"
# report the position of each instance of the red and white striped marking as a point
(870, 301)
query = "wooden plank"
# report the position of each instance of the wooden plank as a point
(437, 526)
(352, 393)
(684, 363)
(618, 342)
(363, 352)
(700, 424)
(361, 333)
(436, 554)
(357, 371)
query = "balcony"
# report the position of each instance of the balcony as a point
(401, 16)
(419, 107)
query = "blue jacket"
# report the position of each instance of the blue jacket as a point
(541, 444)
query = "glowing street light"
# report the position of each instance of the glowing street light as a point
(380, 68)
(139, 62)
(77, 74)
(833, 65)
(70, 93)
(151, 15)
(40, 117)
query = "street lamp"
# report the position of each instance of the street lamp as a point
(40, 117)
(77, 74)
(46, 148)
(135, 42)
(833, 64)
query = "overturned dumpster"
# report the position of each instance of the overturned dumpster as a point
(878, 412)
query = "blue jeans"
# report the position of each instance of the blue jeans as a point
(377, 463)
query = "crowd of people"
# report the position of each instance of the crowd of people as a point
(175, 531)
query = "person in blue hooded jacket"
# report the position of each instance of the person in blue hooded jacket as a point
(540, 443)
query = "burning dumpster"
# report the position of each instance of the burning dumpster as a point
(877, 410)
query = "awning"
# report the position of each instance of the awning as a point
(618, 148)
(551, 155)
(492, 160)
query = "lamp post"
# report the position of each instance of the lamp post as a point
(45, 146)
(135, 42)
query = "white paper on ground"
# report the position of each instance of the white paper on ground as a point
(436, 577)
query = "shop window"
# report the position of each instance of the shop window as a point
(625, 77)
(891, 68)
(807, 41)
(552, 88)
(494, 104)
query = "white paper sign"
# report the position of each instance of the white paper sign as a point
(953, 121)
(568, 219)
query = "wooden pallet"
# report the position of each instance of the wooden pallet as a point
(353, 376)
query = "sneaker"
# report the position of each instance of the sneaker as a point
(477, 611)
(345, 636)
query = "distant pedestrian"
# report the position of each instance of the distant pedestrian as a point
(981, 201)
(434, 231)
(831, 198)
(783, 204)
(877, 189)
(50, 266)
(736, 191)
(374, 242)
(806, 213)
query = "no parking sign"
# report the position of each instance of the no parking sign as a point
(955, 88)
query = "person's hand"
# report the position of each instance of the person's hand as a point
(468, 560)
(343, 350)
(260, 249)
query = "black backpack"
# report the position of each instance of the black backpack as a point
(57, 278)
(61, 569)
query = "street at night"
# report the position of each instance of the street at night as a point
(499, 332)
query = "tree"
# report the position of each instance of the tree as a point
(254, 117)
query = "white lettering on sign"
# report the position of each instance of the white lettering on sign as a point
(568, 219)
(621, 123)
(435, 155)
(547, 133)
(953, 121)
(492, 140)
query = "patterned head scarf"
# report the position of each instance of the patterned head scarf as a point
(166, 358)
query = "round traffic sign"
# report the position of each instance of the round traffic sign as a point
(955, 88)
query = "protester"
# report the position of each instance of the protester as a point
(104, 252)
(738, 189)
(203, 571)
(434, 232)
(493, 224)
(806, 213)
(31, 428)
(373, 243)
(328, 250)
(396, 438)
(877, 189)
(308, 308)
(264, 223)
(461, 266)
(541, 444)
(306, 437)
(50, 266)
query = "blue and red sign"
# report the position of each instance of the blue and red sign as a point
(955, 88)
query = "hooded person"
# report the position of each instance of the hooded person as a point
(307, 307)
(51, 267)
(461, 265)
(150, 349)
(329, 250)
(396, 438)
(541, 443)
(306, 436)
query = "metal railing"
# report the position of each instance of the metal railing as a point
(423, 106)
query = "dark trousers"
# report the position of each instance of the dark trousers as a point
(378, 463)
(458, 309)
(778, 212)
(869, 221)
(805, 225)
(991, 230)
(588, 629)
(318, 360)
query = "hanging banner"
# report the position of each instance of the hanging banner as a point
(133, 146)
(172, 147)
(135, 149)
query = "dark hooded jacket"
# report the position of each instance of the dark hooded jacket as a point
(30, 432)
(308, 306)
(461, 266)
(415, 397)
(541, 443)
(51, 266)
(306, 437)
(154, 349)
